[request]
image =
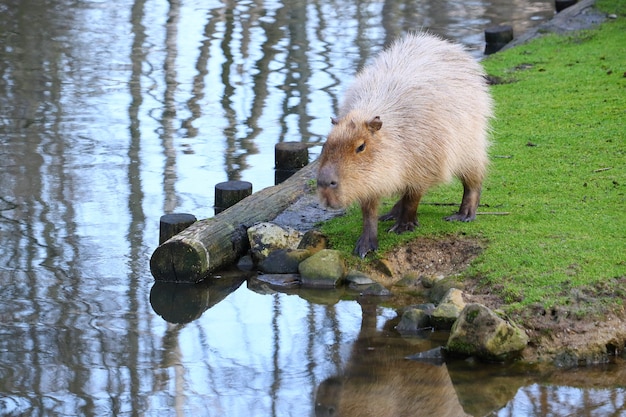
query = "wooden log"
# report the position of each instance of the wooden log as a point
(211, 244)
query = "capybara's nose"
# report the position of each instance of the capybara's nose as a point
(327, 178)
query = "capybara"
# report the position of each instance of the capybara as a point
(417, 116)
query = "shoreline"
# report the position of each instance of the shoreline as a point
(556, 337)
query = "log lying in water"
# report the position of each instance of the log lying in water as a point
(211, 244)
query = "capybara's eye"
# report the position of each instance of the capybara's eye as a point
(360, 148)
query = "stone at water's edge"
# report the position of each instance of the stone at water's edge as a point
(449, 310)
(415, 319)
(283, 261)
(481, 332)
(325, 269)
(280, 280)
(267, 237)
(359, 278)
(314, 241)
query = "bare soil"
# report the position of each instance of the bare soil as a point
(581, 333)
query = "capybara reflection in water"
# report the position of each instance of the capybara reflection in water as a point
(417, 116)
(379, 382)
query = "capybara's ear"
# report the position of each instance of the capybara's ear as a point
(334, 120)
(375, 124)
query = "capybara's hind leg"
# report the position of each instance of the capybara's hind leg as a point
(394, 213)
(405, 212)
(469, 204)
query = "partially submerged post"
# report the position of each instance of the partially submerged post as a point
(174, 223)
(289, 158)
(229, 193)
(214, 243)
(496, 37)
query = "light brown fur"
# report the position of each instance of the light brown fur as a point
(416, 117)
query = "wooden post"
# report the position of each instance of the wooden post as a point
(211, 244)
(563, 4)
(229, 193)
(496, 37)
(174, 223)
(289, 158)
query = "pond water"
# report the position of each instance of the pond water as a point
(114, 113)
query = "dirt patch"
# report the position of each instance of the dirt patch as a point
(432, 257)
(584, 332)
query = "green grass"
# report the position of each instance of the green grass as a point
(558, 168)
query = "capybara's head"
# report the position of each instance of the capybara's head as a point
(348, 159)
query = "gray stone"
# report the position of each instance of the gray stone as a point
(415, 318)
(433, 356)
(325, 269)
(413, 321)
(359, 278)
(267, 237)
(482, 333)
(449, 310)
(374, 289)
(245, 263)
(280, 280)
(283, 261)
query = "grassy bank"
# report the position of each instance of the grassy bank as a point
(558, 170)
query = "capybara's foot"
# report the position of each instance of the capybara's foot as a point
(404, 227)
(461, 217)
(365, 245)
(388, 216)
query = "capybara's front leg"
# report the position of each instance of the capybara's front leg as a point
(368, 242)
(469, 204)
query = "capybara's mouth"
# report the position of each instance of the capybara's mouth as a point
(329, 199)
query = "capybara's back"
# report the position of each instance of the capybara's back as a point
(415, 117)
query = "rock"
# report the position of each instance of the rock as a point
(449, 310)
(374, 289)
(325, 269)
(280, 280)
(442, 286)
(267, 237)
(415, 319)
(314, 241)
(410, 279)
(433, 356)
(429, 281)
(481, 332)
(245, 263)
(283, 261)
(358, 278)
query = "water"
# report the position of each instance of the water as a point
(114, 113)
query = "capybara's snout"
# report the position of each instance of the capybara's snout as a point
(327, 177)
(328, 186)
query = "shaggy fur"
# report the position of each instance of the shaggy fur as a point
(417, 116)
